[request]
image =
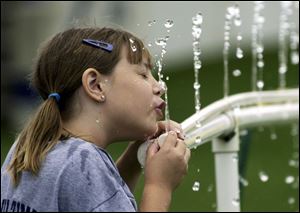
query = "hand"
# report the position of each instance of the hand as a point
(167, 165)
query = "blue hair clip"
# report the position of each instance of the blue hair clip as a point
(98, 44)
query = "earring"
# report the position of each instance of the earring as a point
(102, 98)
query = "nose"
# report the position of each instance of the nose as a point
(159, 88)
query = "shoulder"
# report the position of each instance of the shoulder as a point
(87, 176)
(77, 156)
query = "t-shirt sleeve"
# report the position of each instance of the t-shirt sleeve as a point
(87, 184)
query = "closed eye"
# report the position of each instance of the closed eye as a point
(144, 76)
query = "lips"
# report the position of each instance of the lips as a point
(160, 108)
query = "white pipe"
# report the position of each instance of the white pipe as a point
(244, 118)
(240, 100)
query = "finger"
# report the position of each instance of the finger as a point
(171, 140)
(177, 128)
(152, 149)
(181, 147)
(187, 155)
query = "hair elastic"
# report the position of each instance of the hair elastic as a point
(55, 95)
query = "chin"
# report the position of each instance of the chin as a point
(148, 132)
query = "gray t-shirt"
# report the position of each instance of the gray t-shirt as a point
(75, 176)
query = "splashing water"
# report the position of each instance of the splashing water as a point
(257, 46)
(196, 186)
(162, 42)
(196, 33)
(232, 15)
(294, 45)
(284, 27)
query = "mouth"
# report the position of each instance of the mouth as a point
(160, 108)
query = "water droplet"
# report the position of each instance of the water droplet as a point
(294, 130)
(169, 23)
(161, 42)
(260, 19)
(198, 170)
(197, 65)
(150, 45)
(233, 11)
(235, 158)
(150, 23)
(198, 19)
(239, 37)
(293, 163)
(243, 132)
(167, 78)
(289, 179)
(214, 205)
(260, 84)
(237, 22)
(243, 181)
(196, 32)
(210, 187)
(260, 49)
(196, 186)
(197, 53)
(260, 64)
(198, 140)
(133, 47)
(282, 69)
(196, 85)
(295, 58)
(239, 53)
(263, 176)
(273, 136)
(291, 200)
(236, 73)
(198, 122)
(236, 202)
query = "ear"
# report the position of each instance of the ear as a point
(91, 82)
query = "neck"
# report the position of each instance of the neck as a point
(90, 130)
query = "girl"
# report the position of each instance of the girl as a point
(97, 89)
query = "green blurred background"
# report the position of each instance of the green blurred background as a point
(273, 150)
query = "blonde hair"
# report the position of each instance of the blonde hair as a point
(59, 69)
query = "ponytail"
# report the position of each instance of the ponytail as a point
(40, 134)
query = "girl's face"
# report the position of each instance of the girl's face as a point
(133, 100)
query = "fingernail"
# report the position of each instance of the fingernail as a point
(172, 132)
